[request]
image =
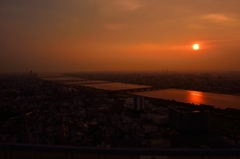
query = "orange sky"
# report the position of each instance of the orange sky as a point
(114, 35)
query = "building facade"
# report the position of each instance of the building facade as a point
(138, 103)
(188, 121)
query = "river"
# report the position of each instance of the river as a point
(188, 96)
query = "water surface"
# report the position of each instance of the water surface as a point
(113, 86)
(187, 96)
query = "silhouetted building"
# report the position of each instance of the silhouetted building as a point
(188, 121)
(138, 103)
(118, 106)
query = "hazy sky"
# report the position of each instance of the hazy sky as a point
(89, 35)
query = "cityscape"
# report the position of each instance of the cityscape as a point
(68, 110)
(133, 79)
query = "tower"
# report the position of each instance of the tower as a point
(138, 103)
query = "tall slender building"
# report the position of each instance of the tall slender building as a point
(138, 103)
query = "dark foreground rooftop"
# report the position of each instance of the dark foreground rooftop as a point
(27, 151)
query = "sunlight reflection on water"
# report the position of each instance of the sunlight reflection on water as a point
(195, 97)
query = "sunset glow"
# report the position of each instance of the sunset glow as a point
(195, 47)
(119, 35)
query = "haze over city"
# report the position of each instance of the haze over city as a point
(107, 79)
(119, 35)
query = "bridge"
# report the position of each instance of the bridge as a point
(63, 80)
(138, 90)
(81, 81)
(90, 82)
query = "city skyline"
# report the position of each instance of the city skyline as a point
(126, 35)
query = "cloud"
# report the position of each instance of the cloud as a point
(115, 7)
(128, 5)
(115, 26)
(195, 26)
(216, 18)
(155, 47)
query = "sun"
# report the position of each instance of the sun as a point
(195, 47)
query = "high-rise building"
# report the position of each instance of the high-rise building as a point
(138, 103)
(187, 120)
(118, 107)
